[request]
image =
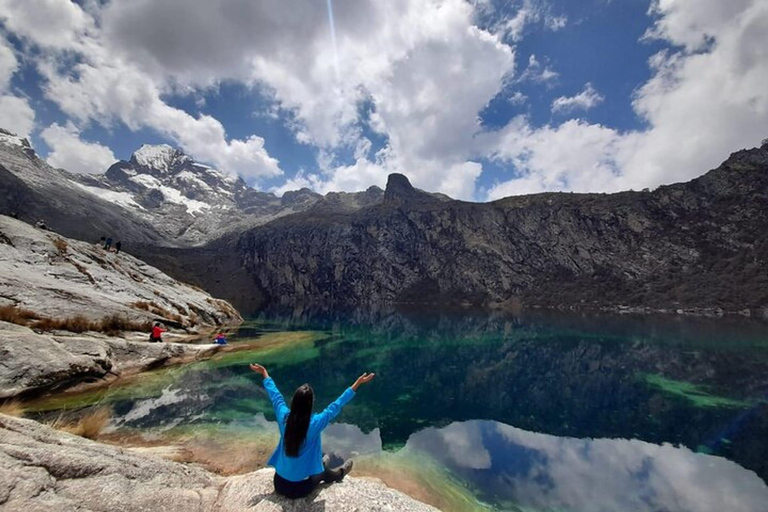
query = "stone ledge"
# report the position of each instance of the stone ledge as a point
(44, 469)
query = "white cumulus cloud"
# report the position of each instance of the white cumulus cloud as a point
(426, 69)
(706, 98)
(101, 85)
(585, 100)
(16, 115)
(70, 152)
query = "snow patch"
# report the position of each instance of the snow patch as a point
(191, 178)
(12, 140)
(160, 157)
(120, 198)
(171, 194)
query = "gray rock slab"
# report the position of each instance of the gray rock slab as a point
(42, 469)
(32, 362)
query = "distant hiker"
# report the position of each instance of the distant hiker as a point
(41, 224)
(220, 339)
(14, 215)
(157, 333)
(298, 459)
(102, 241)
(108, 244)
(118, 245)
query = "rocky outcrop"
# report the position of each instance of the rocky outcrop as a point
(693, 245)
(35, 363)
(42, 469)
(60, 287)
(58, 278)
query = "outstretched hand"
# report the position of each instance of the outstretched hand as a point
(363, 379)
(259, 369)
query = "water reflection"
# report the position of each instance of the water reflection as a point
(508, 465)
(698, 383)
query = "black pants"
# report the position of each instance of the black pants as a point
(295, 490)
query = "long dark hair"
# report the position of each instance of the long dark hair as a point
(297, 424)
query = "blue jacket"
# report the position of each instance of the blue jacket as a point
(310, 459)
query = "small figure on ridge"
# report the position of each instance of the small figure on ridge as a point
(157, 333)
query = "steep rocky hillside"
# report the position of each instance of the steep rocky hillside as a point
(699, 244)
(56, 278)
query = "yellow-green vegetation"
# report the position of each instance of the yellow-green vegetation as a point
(145, 385)
(283, 348)
(697, 395)
(420, 477)
(271, 349)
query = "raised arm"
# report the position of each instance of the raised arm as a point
(329, 414)
(278, 402)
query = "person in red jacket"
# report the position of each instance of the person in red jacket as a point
(157, 332)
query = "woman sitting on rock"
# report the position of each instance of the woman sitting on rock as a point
(298, 460)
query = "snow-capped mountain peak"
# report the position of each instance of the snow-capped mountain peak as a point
(161, 157)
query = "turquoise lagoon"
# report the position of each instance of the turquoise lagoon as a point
(478, 410)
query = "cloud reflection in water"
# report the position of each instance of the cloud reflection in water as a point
(506, 464)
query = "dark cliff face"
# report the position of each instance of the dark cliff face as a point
(698, 244)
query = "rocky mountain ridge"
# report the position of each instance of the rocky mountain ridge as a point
(690, 246)
(696, 246)
(163, 196)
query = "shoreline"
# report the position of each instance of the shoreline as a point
(53, 470)
(229, 456)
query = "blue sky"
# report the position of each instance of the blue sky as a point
(477, 99)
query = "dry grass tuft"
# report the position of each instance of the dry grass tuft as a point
(76, 323)
(89, 425)
(142, 304)
(12, 408)
(117, 323)
(111, 324)
(61, 245)
(156, 309)
(16, 315)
